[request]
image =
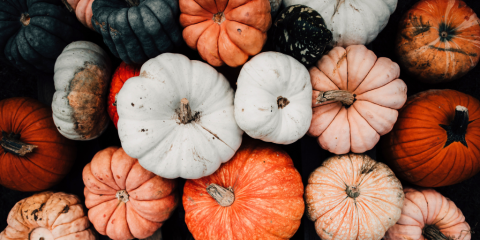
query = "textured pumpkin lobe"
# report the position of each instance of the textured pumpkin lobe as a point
(25, 19)
(224, 196)
(11, 143)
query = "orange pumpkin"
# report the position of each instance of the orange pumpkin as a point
(125, 201)
(439, 40)
(256, 195)
(121, 75)
(426, 214)
(436, 140)
(225, 31)
(34, 156)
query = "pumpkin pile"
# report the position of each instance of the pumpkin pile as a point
(303, 67)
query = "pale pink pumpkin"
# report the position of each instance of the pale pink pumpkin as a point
(83, 11)
(126, 201)
(426, 214)
(355, 99)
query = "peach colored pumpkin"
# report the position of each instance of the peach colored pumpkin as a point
(353, 197)
(355, 99)
(126, 201)
(426, 214)
(83, 10)
(48, 216)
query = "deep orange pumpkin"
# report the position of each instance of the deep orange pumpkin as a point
(47, 155)
(121, 75)
(258, 194)
(439, 40)
(436, 139)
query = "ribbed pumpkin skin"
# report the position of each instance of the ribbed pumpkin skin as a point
(428, 55)
(268, 197)
(121, 75)
(340, 216)
(151, 199)
(428, 207)
(415, 147)
(83, 10)
(49, 162)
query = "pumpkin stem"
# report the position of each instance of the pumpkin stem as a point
(185, 113)
(25, 19)
(444, 34)
(122, 195)
(345, 97)
(67, 5)
(353, 192)
(11, 143)
(218, 18)
(458, 127)
(223, 196)
(133, 3)
(431, 232)
(282, 102)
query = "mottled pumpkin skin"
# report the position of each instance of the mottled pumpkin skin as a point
(415, 148)
(268, 197)
(428, 55)
(299, 31)
(121, 75)
(49, 162)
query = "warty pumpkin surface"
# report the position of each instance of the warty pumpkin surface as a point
(436, 140)
(48, 216)
(125, 201)
(225, 32)
(256, 195)
(352, 197)
(34, 156)
(82, 9)
(439, 40)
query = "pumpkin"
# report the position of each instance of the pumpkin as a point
(122, 74)
(177, 118)
(355, 99)
(273, 98)
(426, 214)
(125, 201)
(256, 195)
(83, 10)
(351, 22)
(33, 155)
(48, 216)
(149, 29)
(353, 197)
(300, 32)
(82, 75)
(225, 32)
(274, 7)
(34, 32)
(436, 139)
(439, 40)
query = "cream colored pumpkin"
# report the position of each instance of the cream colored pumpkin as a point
(351, 22)
(82, 76)
(353, 197)
(273, 98)
(48, 216)
(83, 10)
(355, 99)
(177, 118)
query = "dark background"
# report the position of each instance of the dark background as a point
(306, 153)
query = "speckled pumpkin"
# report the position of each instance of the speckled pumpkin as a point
(299, 31)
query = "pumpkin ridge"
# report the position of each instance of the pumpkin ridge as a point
(46, 170)
(427, 175)
(339, 110)
(28, 182)
(365, 207)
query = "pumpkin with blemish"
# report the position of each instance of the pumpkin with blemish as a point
(225, 32)
(82, 76)
(273, 98)
(353, 197)
(121, 75)
(299, 31)
(82, 9)
(48, 216)
(258, 194)
(125, 201)
(177, 117)
(426, 214)
(355, 99)
(34, 156)
(439, 40)
(436, 140)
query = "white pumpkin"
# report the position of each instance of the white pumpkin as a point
(352, 22)
(82, 76)
(177, 118)
(273, 101)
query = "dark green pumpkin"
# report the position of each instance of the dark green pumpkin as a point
(33, 33)
(299, 31)
(137, 30)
